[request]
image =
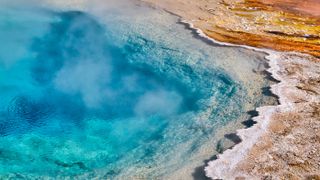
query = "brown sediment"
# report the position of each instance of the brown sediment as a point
(285, 142)
(279, 43)
(284, 25)
(265, 24)
(304, 7)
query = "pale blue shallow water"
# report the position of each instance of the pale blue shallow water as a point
(73, 101)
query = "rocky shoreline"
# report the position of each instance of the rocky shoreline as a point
(289, 68)
(285, 141)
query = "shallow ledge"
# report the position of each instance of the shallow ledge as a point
(222, 166)
(226, 164)
(229, 165)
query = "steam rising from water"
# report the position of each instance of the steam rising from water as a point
(86, 65)
(79, 96)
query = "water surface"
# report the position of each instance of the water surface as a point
(81, 97)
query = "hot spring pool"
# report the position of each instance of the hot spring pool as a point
(81, 98)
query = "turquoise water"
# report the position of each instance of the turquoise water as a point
(75, 98)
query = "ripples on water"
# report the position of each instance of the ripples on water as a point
(73, 101)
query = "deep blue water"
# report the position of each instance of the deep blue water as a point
(73, 101)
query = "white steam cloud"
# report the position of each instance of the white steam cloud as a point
(86, 78)
(161, 102)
